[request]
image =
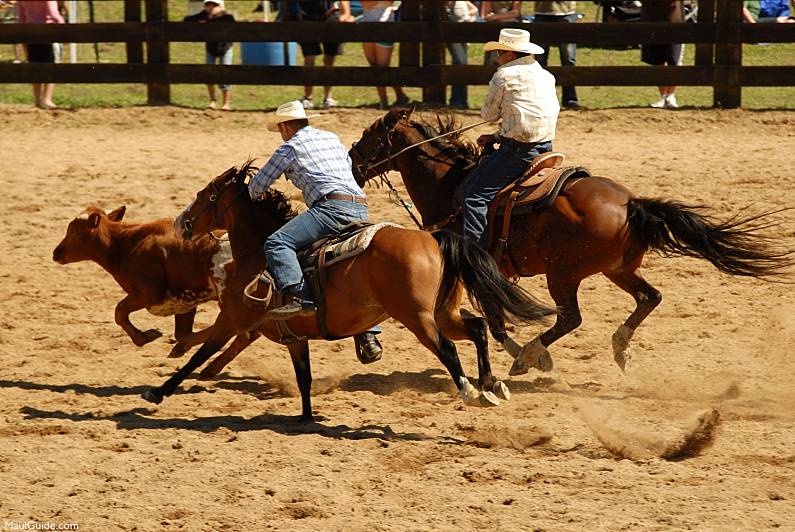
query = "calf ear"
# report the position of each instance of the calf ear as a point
(93, 219)
(117, 214)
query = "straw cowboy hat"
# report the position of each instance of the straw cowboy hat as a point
(285, 112)
(514, 40)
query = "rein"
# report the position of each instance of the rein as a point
(387, 140)
(214, 197)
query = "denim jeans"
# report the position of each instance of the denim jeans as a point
(324, 218)
(458, 55)
(225, 59)
(568, 54)
(493, 172)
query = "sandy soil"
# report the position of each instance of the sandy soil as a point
(394, 449)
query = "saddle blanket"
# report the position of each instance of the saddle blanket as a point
(353, 245)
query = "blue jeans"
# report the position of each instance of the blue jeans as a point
(323, 219)
(225, 59)
(493, 172)
(568, 54)
(458, 55)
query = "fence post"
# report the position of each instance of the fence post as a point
(132, 13)
(433, 53)
(409, 51)
(705, 51)
(728, 54)
(157, 56)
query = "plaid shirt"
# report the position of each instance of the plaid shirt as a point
(522, 94)
(315, 161)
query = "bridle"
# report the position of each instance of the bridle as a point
(216, 192)
(386, 141)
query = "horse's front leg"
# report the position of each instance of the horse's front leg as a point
(299, 353)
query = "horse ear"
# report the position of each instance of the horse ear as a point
(411, 110)
(93, 219)
(117, 214)
(391, 119)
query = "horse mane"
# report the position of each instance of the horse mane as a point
(454, 145)
(272, 202)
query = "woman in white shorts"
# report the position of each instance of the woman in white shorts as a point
(380, 53)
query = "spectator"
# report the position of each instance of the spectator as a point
(766, 11)
(216, 52)
(663, 54)
(379, 54)
(560, 12)
(41, 12)
(459, 51)
(319, 11)
(499, 12)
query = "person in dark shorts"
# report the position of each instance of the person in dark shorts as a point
(216, 52)
(41, 12)
(663, 54)
(319, 11)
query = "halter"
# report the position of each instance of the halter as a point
(214, 197)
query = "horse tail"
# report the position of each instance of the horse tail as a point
(734, 246)
(488, 289)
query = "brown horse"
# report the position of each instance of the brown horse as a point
(407, 274)
(594, 226)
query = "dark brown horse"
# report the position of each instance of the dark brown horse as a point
(407, 274)
(594, 226)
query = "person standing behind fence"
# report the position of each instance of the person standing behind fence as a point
(766, 11)
(319, 11)
(216, 52)
(499, 12)
(560, 12)
(663, 54)
(41, 12)
(379, 54)
(459, 51)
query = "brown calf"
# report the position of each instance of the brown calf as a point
(159, 271)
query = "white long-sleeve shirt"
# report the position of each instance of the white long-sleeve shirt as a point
(522, 95)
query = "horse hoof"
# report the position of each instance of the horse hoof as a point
(622, 358)
(544, 361)
(177, 351)
(501, 391)
(152, 396)
(207, 374)
(488, 400)
(535, 355)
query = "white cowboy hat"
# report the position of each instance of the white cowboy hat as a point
(514, 40)
(285, 112)
(219, 2)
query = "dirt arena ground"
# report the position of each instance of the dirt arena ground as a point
(394, 449)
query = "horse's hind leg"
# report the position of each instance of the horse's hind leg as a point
(535, 353)
(430, 335)
(646, 298)
(467, 326)
(241, 342)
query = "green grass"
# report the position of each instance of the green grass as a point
(267, 97)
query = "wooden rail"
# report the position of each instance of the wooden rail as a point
(719, 36)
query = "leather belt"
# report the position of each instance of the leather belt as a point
(344, 197)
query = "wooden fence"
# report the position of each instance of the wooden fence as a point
(718, 36)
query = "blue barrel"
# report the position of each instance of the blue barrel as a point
(267, 53)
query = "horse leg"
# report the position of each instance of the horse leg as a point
(299, 353)
(467, 326)
(535, 353)
(241, 342)
(190, 340)
(646, 299)
(155, 395)
(429, 334)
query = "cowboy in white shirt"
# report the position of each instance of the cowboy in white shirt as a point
(522, 96)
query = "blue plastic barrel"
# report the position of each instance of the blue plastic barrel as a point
(266, 53)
